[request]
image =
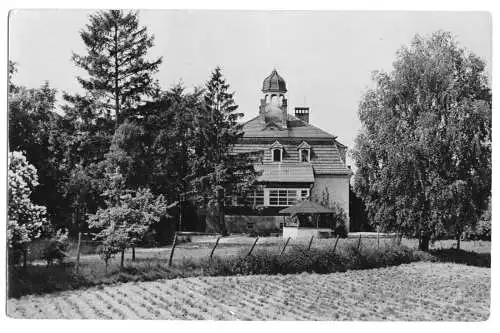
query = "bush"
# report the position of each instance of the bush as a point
(56, 248)
(299, 259)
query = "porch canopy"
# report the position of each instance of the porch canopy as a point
(306, 207)
(308, 213)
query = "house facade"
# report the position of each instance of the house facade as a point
(299, 161)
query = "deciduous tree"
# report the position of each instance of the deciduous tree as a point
(127, 217)
(25, 219)
(424, 154)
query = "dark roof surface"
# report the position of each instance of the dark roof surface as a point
(306, 207)
(285, 172)
(296, 128)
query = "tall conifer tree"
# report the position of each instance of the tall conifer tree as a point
(120, 75)
(216, 170)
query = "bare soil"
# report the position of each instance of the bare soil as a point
(420, 292)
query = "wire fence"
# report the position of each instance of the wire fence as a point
(195, 245)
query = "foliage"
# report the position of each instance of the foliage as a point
(482, 231)
(127, 217)
(57, 247)
(423, 157)
(214, 170)
(338, 219)
(25, 219)
(120, 75)
(36, 129)
(299, 259)
(167, 134)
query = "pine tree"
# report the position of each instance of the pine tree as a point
(216, 171)
(120, 75)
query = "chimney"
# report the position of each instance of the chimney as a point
(302, 113)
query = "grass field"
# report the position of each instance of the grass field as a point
(418, 291)
(152, 263)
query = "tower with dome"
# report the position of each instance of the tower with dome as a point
(299, 162)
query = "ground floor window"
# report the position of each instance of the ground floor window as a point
(286, 196)
(277, 197)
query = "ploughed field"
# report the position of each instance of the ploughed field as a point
(418, 291)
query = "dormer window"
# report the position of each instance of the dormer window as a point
(304, 152)
(276, 155)
(304, 155)
(277, 152)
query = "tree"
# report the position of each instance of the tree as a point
(40, 132)
(424, 154)
(215, 170)
(120, 75)
(25, 219)
(127, 217)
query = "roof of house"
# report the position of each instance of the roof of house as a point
(296, 128)
(285, 172)
(306, 207)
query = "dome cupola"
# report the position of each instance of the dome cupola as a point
(274, 83)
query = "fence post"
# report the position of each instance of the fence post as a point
(378, 237)
(133, 253)
(336, 241)
(213, 249)
(77, 265)
(284, 247)
(251, 249)
(172, 251)
(310, 243)
(359, 242)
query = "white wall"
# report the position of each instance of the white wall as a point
(338, 188)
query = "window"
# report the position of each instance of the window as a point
(252, 198)
(282, 197)
(304, 155)
(255, 198)
(286, 196)
(277, 155)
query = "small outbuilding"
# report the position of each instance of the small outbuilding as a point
(304, 220)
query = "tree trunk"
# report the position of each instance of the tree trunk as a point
(424, 242)
(122, 258)
(25, 255)
(116, 74)
(133, 253)
(180, 214)
(222, 224)
(458, 241)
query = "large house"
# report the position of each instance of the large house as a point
(299, 161)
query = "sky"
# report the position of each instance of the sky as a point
(325, 57)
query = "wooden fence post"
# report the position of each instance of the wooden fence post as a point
(284, 247)
(251, 249)
(359, 242)
(336, 242)
(78, 246)
(133, 252)
(172, 251)
(213, 249)
(122, 258)
(378, 238)
(310, 243)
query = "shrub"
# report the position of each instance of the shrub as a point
(299, 259)
(56, 248)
